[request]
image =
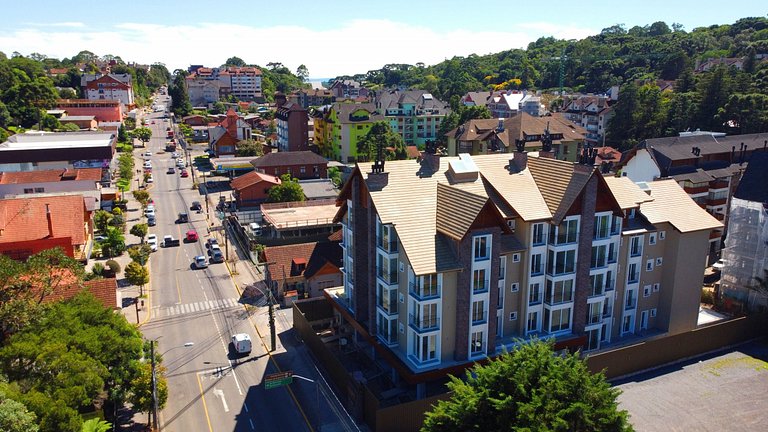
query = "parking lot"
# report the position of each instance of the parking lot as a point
(727, 391)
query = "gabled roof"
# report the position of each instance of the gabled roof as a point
(753, 185)
(344, 112)
(672, 204)
(280, 159)
(25, 219)
(627, 194)
(50, 176)
(559, 183)
(316, 256)
(457, 210)
(105, 291)
(517, 127)
(251, 178)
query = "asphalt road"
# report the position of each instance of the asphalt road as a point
(208, 389)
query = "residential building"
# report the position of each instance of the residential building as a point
(532, 105)
(708, 165)
(591, 113)
(87, 122)
(307, 98)
(252, 188)
(223, 138)
(32, 225)
(60, 150)
(292, 128)
(106, 112)
(299, 221)
(454, 259)
(108, 87)
(348, 89)
(307, 268)
(51, 181)
(244, 82)
(415, 115)
(745, 255)
(482, 136)
(476, 98)
(300, 164)
(208, 85)
(339, 127)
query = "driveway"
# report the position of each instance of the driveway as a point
(727, 391)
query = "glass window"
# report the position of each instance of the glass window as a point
(479, 283)
(533, 322)
(478, 311)
(559, 292)
(502, 267)
(534, 294)
(602, 224)
(482, 248)
(557, 320)
(635, 247)
(538, 234)
(477, 342)
(599, 256)
(536, 267)
(561, 262)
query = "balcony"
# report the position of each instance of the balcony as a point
(607, 311)
(594, 318)
(479, 318)
(597, 291)
(563, 239)
(630, 303)
(693, 190)
(482, 287)
(633, 277)
(422, 293)
(421, 324)
(387, 245)
(636, 251)
(558, 299)
(389, 278)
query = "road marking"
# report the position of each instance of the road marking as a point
(220, 394)
(205, 406)
(186, 308)
(251, 422)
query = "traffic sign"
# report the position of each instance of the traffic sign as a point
(278, 379)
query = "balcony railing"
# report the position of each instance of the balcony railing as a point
(563, 239)
(636, 251)
(607, 311)
(597, 291)
(558, 299)
(390, 278)
(633, 277)
(389, 246)
(630, 303)
(594, 318)
(481, 287)
(422, 324)
(422, 293)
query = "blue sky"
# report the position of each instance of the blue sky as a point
(329, 37)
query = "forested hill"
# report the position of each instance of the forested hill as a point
(618, 56)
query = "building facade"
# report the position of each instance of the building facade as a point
(208, 85)
(301, 165)
(292, 128)
(415, 115)
(452, 260)
(109, 87)
(592, 113)
(339, 127)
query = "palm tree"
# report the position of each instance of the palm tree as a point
(96, 425)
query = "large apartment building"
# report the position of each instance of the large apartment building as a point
(208, 85)
(339, 127)
(415, 115)
(449, 260)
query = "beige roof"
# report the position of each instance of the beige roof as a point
(627, 194)
(293, 215)
(518, 189)
(671, 204)
(560, 184)
(456, 210)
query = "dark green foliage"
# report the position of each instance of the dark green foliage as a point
(113, 266)
(289, 190)
(381, 135)
(529, 389)
(177, 90)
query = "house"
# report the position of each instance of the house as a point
(59, 150)
(104, 290)
(745, 255)
(195, 120)
(415, 115)
(106, 112)
(32, 225)
(606, 158)
(223, 138)
(476, 98)
(707, 165)
(292, 128)
(252, 188)
(349, 89)
(307, 98)
(83, 180)
(452, 260)
(299, 164)
(87, 122)
(108, 87)
(706, 65)
(307, 268)
(592, 112)
(339, 127)
(482, 136)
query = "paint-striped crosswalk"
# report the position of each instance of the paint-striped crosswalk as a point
(187, 308)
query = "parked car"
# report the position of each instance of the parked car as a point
(151, 221)
(196, 205)
(241, 343)
(147, 154)
(217, 256)
(184, 173)
(148, 164)
(192, 236)
(152, 242)
(169, 241)
(99, 238)
(175, 155)
(183, 217)
(150, 179)
(200, 262)
(149, 212)
(171, 170)
(210, 242)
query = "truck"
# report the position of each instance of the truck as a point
(169, 241)
(170, 146)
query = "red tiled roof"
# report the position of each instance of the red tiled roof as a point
(314, 255)
(25, 219)
(105, 291)
(413, 152)
(50, 176)
(251, 179)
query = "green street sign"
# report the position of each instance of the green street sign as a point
(278, 379)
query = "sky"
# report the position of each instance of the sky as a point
(330, 37)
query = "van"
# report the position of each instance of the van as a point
(241, 342)
(255, 228)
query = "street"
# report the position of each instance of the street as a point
(194, 313)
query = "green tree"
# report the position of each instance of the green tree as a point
(139, 253)
(289, 190)
(101, 220)
(381, 135)
(140, 230)
(249, 148)
(14, 416)
(234, 61)
(142, 197)
(142, 134)
(114, 244)
(96, 425)
(529, 388)
(136, 274)
(141, 396)
(302, 72)
(177, 90)
(69, 127)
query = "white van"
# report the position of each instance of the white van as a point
(242, 343)
(255, 228)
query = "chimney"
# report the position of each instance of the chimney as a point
(50, 221)
(518, 162)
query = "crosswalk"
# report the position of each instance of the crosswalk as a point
(186, 308)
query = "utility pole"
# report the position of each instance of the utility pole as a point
(154, 385)
(226, 237)
(272, 333)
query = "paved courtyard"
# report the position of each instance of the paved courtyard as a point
(723, 392)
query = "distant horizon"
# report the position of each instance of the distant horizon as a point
(429, 33)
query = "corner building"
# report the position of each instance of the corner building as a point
(447, 260)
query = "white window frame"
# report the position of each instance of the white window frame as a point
(516, 258)
(656, 287)
(644, 320)
(514, 287)
(649, 265)
(647, 291)
(513, 316)
(659, 261)
(652, 239)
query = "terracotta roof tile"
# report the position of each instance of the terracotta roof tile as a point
(281, 259)
(50, 176)
(251, 178)
(25, 219)
(672, 204)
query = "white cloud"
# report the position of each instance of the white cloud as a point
(355, 47)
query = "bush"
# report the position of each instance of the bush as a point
(98, 269)
(113, 266)
(707, 297)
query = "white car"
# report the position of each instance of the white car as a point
(148, 164)
(149, 212)
(719, 264)
(200, 262)
(152, 242)
(180, 163)
(147, 154)
(150, 179)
